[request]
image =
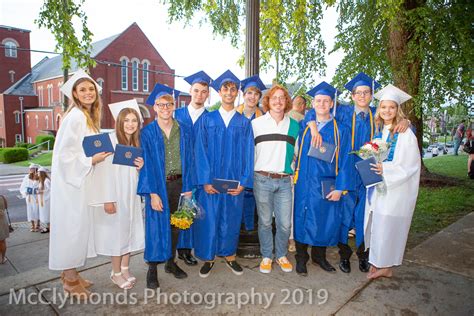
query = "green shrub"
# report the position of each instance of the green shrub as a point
(43, 138)
(23, 145)
(1, 154)
(14, 154)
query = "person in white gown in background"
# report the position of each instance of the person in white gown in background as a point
(29, 190)
(388, 216)
(118, 227)
(72, 184)
(44, 190)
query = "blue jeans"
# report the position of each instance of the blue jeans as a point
(273, 196)
(457, 144)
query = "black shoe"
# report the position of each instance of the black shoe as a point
(301, 268)
(188, 259)
(152, 278)
(172, 267)
(325, 265)
(345, 265)
(235, 267)
(206, 269)
(364, 265)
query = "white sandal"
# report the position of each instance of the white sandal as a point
(127, 285)
(131, 278)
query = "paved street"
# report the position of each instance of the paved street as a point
(10, 189)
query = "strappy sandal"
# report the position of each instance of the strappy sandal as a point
(76, 289)
(85, 283)
(4, 260)
(127, 285)
(130, 278)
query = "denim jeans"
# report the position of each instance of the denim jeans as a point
(457, 144)
(273, 196)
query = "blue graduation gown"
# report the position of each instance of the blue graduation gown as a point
(185, 239)
(317, 221)
(217, 148)
(152, 179)
(354, 201)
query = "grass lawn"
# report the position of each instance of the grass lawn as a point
(437, 208)
(42, 160)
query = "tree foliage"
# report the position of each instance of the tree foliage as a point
(57, 16)
(290, 33)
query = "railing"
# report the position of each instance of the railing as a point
(36, 146)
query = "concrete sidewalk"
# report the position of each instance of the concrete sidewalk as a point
(9, 169)
(437, 278)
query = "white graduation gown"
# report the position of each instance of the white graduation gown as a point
(72, 181)
(120, 233)
(32, 210)
(388, 217)
(44, 202)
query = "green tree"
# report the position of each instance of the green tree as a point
(289, 31)
(422, 46)
(57, 16)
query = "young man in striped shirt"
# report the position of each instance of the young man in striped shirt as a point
(275, 136)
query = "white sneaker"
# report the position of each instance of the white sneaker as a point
(266, 265)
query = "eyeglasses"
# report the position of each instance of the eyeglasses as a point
(275, 98)
(165, 105)
(362, 93)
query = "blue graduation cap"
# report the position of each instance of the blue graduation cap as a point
(176, 93)
(199, 76)
(158, 91)
(253, 81)
(227, 76)
(362, 80)
(325, 88)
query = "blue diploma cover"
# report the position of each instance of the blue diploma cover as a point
(327, 186)
(125, 155)
(222, 185)
(325, 152)
(369, 177)
(96, 144)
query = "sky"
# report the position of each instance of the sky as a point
(174, 41)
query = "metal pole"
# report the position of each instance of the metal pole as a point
(21, 117)
(252, 47)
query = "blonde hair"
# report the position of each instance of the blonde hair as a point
(92, 115)
(397, 119)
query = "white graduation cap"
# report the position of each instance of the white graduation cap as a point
(34, 166)
(392, 93)
(66, 88)
(43, 169)
(115, 108)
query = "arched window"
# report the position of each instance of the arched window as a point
(11, 73)
(10, 48)
(40, 95)
(134, 75)
(46, 120)
(146, 66)
(100, 82)
(50, 94)
(37, 121)
(124, 72)
(60, 95)
(17, 117)
(27, 120)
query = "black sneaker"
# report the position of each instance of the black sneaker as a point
(206, 269)
(235, 267)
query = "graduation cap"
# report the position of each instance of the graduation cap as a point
(66, 88)
(43, 169)
(253, 81)
(227, 76)
(392, 93)
(115, 108)
(198, 77)
(362, 80)
(34, 166)
(158, 91)
(325, 88)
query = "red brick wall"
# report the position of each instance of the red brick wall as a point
(31, 127)
(21, 65)
(56, 97)
(8, 105)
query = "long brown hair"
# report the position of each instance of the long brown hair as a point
(32, 175)
(120, 131)
(398, 118)
(92, 115)
(269, 95)
(42, 177)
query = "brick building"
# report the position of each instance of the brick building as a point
(128, 66)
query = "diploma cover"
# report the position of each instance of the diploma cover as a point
(222, 185)
(125, 155)
(325, 152)
(96, 144)
(369, 177)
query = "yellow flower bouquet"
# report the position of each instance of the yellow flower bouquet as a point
(188, 210)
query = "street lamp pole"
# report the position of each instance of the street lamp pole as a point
(21, 118)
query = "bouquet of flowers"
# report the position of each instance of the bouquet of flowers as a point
(188, 210)
(379, 149)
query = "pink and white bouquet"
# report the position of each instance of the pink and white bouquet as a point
(376, 148)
